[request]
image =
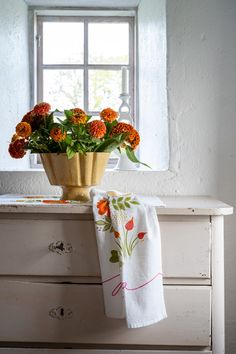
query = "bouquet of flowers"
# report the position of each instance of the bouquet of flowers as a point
(42, 131)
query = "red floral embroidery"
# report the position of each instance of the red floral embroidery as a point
(141, 235)
(130, 225)
(103, 207)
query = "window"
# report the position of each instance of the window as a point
(79, 61)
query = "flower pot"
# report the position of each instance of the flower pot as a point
(76, 175)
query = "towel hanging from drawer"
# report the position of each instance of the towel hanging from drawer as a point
(129, 248)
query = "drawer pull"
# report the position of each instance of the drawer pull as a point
(60, 313)
(60, 247)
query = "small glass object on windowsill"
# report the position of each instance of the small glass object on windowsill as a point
(124, 164)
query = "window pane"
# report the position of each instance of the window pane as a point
(104, 89)
(108, 43)
(63, 89)
(63, 43)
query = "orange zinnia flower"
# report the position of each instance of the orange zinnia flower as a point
(16, 149)
(23, 129)
(103, 207)
(78, 116)
(42, 108)
(57, 135)
(120, 128)
(133, 138)
(97, 129)
(108, 115)
(28, 117)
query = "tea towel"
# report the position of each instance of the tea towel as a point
(129, 248)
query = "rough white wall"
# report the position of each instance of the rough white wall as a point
(202, 106)
(14, 74)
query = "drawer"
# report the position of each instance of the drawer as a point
(68, 247)
(38, 312)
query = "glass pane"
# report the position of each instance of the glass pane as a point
(104, 89)
(63, 89)
(63, 43)
(108, 43)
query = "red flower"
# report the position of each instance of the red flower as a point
(130, 225)
(141, 235)
(42, 108)
(16, 149)
(103, 207)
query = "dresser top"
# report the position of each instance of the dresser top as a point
(172, 205)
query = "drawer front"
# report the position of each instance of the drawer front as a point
(37, 312)
(68, 247)
(186, 247)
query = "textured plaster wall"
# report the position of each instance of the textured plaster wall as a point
(201, 40)
(193, 93)
(14, 74)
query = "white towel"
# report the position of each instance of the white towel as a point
(129, 248)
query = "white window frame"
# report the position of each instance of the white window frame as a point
(114, 16)
(86, 66)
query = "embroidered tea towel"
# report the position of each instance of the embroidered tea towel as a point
(129, 248)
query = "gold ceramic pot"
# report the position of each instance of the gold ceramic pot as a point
(77, 175)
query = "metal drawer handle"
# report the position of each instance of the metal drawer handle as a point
(60, 247)
(60, 313)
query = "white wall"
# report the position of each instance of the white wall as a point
(152, 51)
(201, 90)
(14, 75)
(227, 154)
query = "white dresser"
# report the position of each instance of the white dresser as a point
(50, 289)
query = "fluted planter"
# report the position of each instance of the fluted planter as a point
(76, 175)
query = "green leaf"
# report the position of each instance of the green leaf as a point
(115, 207)
(134, 202)
(113, 201)
(131, 155)
(119, 199)
(49, 121)
(70, 152)
(68, 139)
(106, 227)
(121, 206)
(100, 222)
(127, 199)
(108, 220)
(68, 113)
(114, 257)
(108, 145)
(127, 205)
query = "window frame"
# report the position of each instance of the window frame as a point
(86, 66)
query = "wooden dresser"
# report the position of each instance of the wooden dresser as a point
(50, 289)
